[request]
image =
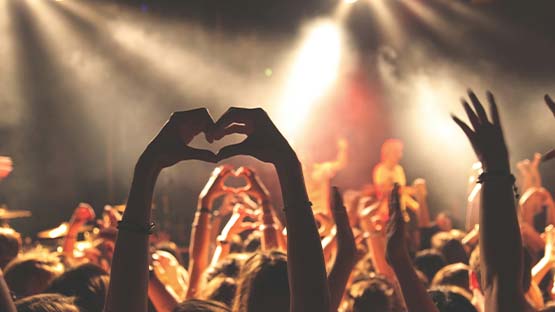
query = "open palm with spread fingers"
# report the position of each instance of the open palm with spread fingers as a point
(485, 136)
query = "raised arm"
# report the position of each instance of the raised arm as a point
(129, 275)
(6, 302)
(307, 274)
(345, 258)
(414, 292)
(500, 241)
(81, 215)
(199, 245)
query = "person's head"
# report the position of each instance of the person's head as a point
(10, 243)
(230, 266)
(453, 275)
(253, 241)
(31, 274)
(263, 283)
(451, 248)
(443, 222)
(370, 294)
(429, 261)
(392, 151)
(451, 299)
(197, 305)
(221, 289)
(46, 303)
(88, 283)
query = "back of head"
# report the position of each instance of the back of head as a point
(10, 243)
(451, 299)
(263, 283)
(369, 295)
(88, 283)
(429, 261)
(46, 303)
(221, 289)
(230, 266)
(31, 274)
(196, 305)
(453, 275)
(451, 248)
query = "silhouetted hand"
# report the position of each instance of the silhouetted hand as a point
(256, 186)
(170, 145)
(486, 137)
(396, 228)
(264, 141)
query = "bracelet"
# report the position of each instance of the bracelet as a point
(499, 175)
(129, 227)
(307, 203)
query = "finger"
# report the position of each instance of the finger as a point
(337, 201)
(232, 129)
(202, 119)
(478, 107)
(466, 129)
(231, 116)
(550, 103)
(474, 120)
(233, 150)
(199, 154)
(493, 109)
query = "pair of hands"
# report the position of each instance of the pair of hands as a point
(264, 141)
(216, 187)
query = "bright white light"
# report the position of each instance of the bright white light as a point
(350, 1)
(314, 70)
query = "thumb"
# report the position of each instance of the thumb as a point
(199, 154)
(232, 150)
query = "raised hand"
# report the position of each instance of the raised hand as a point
(256, 187)
(485, 136)
(214, 187)
(264, 141)
(170, 145)
(6, 166)
(83, 214)
(396, 229)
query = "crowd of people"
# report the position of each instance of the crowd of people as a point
(373, 249)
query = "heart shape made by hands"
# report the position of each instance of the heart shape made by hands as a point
(236, 182)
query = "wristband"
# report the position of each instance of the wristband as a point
(129, 227)
(499, 176)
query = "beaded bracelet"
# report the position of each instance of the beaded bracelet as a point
(487, 176)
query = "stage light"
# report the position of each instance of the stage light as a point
(314, 70)
(350, 1)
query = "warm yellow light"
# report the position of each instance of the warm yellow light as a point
(350, 1)
(314, 70)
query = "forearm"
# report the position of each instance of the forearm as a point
(377, 242)
(269, 228)
(6, 302)
(307, 274)
(199, 247)
(345, 260)
(500, 247)
(163, 299)
(423, 212)
(414, 292)
(129, 275)
(541, 269)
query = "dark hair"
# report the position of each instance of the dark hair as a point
(451, 299)
(451, 248)
(264, 284)
(10, 243)
(46, 303)
(373, 293)
(197, 305)
(429, 261)
(253, 242)
(88, 283)
(31, 274)
(221, 289)
(230, 266)
(453, 275)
